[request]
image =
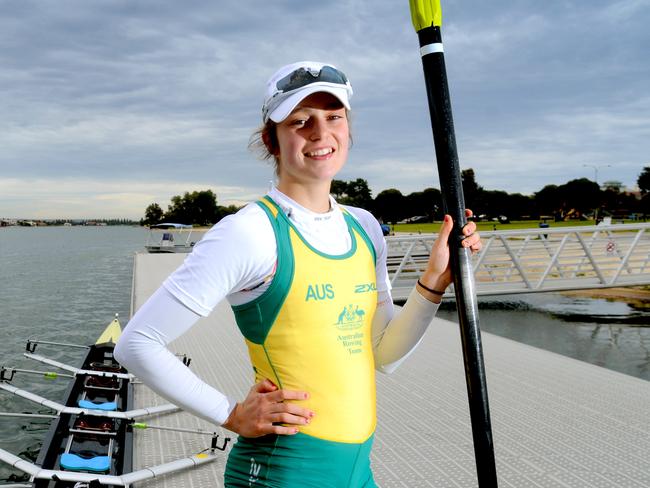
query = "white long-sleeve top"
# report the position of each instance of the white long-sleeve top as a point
(236, 260)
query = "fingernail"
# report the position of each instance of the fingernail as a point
(295, 431)
(447, 218)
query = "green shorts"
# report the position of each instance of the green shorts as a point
(298, 461)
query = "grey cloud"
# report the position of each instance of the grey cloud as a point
(161, 90)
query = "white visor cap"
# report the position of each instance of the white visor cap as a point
(294, 82)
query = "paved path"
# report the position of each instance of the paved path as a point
(557, 422)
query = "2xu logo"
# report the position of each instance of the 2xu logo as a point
(365, 288)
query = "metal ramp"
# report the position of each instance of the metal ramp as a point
(537, 260)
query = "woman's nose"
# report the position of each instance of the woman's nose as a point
(317, 129)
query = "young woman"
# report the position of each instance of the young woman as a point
(307, 281)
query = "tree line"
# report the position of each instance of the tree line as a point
(576, 199)
(197, 208)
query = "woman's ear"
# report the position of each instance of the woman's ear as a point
(266, 139)
(270, 142)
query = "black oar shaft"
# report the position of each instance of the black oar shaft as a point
(454, 204)
(442, 124)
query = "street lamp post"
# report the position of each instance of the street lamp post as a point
(596, 166)
(596, 169)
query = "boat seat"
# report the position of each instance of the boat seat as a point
(107, 406)
(97, 464)
(90, 424)
(98, 382)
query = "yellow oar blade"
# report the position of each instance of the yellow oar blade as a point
(425, 13)
(111, 333)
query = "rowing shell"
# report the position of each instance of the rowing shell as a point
(92, 443)
(90, 440)
(111, 334)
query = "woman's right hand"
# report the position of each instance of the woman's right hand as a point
(264, 409)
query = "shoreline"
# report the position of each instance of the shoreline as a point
(638, 296)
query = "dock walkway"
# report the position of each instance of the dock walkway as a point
(557, 422)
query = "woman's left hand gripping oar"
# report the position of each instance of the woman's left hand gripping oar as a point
(437, 276)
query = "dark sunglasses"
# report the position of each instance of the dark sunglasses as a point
(306, 76)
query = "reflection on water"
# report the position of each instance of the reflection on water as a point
(606, 333)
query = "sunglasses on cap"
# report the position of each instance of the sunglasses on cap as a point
(306, 76)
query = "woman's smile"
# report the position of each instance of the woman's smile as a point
(319, 153)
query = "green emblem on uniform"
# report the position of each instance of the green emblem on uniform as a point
(351, 317)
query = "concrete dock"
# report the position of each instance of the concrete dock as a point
(557, 422)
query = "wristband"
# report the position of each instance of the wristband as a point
(431, 290)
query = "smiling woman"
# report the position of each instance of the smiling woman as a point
(313, 141)
(307, 281)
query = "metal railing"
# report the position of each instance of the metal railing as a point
(536, 260)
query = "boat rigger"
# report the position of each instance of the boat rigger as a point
(90, 440)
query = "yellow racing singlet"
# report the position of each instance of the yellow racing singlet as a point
(311, 329)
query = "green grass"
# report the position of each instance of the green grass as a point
(429, 228)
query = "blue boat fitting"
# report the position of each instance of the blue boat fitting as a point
(97, 464)
(107, 406)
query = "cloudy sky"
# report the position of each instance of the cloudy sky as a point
(107, 106)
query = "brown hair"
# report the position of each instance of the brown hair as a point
(264, 143)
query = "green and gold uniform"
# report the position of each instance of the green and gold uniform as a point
(311, 331)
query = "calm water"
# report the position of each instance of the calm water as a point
(66, 283)
(611, 334)
(60, 284)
